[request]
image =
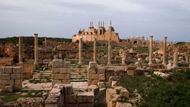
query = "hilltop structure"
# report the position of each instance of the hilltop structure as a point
(101, 34)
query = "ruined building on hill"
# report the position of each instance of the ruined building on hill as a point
(101, 34)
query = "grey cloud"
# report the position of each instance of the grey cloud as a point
(64, 18)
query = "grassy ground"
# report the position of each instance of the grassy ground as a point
(9, 97)
(158, 92)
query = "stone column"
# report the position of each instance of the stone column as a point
(35, 50)
(150, 49)
(20, 51)
(175, 58)
(164, 50)
(109, 52)
(80, 51)
(94, 54)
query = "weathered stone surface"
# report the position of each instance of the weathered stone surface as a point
(11, 78)
(60, 71)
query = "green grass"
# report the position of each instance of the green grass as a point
(159, 92)
(13, 96)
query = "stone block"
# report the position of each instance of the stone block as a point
(93, 82)
(1, 69)
(51, 105)
(5, 82)
(123, 104)
(131, 72)
(85, 99)
(7, 88)
(102, 77)
(65, 70)
(57, 63)
(67, 64)
(94, 76)
(16, 76)
(85, 105)
(17, 70)
(56, 70)
(101, 85)
(124, 93)
(68, 89)
(17, 85)
(57, 81)
(8, 69)
(67, 77)
(101, 70)
(92, 64)
(58, 76)
(70, 105)
(71, 99)
(5, 76)
(66, 81)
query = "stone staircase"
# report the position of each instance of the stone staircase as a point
(77, 75)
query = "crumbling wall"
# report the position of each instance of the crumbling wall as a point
(11, 78)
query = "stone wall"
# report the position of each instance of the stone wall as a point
(95, 74)
(61, 71)
(11, 78)
(28, 70)
(62, 95)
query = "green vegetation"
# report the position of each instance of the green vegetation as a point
(29, 41)
(13, 96)
(158, 92)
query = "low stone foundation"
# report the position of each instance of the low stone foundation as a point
(62, 95)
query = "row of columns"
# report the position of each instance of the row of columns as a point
(164, 62)
(151, 50)
(94, 49)
(35, 50)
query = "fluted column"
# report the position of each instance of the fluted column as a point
(80, 51)
(20, 51)
(164, 50)
(94, 54)
(150, 49)
(35, 49)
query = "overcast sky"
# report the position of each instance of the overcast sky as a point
(63, 18)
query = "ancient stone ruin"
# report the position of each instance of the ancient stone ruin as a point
(84, 72)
